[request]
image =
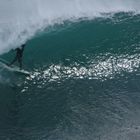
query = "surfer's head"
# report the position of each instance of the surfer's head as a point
(23, 45)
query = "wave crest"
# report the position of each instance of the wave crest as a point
(20, 20)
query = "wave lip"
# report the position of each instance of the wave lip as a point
(20, 21)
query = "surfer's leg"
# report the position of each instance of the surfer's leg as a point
(20, 62)
(15, 59)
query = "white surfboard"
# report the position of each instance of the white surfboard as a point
(14, 68)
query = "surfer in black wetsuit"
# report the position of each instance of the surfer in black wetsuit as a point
(19, 54)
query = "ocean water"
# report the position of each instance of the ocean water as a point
(84, 60)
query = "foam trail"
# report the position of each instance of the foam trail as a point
(20, 20)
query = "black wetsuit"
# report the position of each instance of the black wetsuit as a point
(19, 54)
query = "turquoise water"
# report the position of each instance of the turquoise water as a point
(84, 83)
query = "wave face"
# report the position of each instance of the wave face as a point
(84, 83)
(21, 20)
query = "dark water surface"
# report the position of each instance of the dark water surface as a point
(84, 84)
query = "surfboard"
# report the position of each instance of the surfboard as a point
(14, 68)
(20, 72)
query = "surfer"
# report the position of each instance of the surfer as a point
(18, 57)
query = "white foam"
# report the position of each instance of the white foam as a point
(21, 19)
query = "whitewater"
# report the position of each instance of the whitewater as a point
(22, 20)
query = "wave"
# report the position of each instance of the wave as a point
(21, 20)
(83, 74)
